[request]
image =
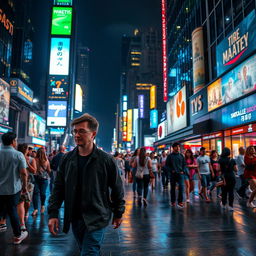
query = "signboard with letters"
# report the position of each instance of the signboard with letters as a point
(237, 45)
(61, 20)
(57, 113)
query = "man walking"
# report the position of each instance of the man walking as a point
(175, 163)
(84, 180)
(13, 180)
(55, 165)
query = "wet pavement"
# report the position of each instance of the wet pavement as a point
(198, 229)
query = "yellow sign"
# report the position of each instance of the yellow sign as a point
(129, 125)
(152, 97)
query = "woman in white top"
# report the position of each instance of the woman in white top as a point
(144, 168)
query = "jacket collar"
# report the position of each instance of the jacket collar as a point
(94, 153)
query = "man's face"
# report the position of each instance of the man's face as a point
(176, 148)
(83, 135)
(202, 152)
(14, 143)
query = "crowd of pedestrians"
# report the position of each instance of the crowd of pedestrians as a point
(90, 180)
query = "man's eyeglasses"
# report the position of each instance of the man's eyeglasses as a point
(80, 132)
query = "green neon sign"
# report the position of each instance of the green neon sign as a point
(61, 21)
(63, 2)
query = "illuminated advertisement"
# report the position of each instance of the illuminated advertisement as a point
(61, 20)
(4, 101)
(153, 118)
(149, 141)
(240, 112)
(58, 88)
(141, 105)
(21, 91)
(198, 104)
(57, 113)
(124, 118)
(38, 141)
(5, 22)
(177, 111)
(153, 96)
(59, 57)
(129, 125)
(164, 49)
(236, 83)
(135, 129)
(237, 45)
(79, 98)
(162, 130)
(63, 2)
(214, 95)
(198, 59)
(57, 131)
(36, 126)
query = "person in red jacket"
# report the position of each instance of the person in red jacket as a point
(250, 173)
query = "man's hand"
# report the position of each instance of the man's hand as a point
(116, 222)
(53, 225)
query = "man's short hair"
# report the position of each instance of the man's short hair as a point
(8, 138)
(93, 124)
(202, 148)
(175, 144)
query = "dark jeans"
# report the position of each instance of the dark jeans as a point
(165, 177)
(244, 185)
(39, 191)
(177, 178)
(89, 242)
(228, 191)
(134, 184)
(8, 206)
(142, 184)
(53, 175)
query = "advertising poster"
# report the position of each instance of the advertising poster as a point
(198, 104)
(57, 113)
(177, 111)
(162, 130)
(237, 45)
(240, 112)
(214, 95)
(4, 101)
(240, 81)
(153, 97)
(198, 59)
(141, 105)
(59, 57)
(79, 98)
(21, 91)
(58, 88)
(129, 125)
(36, 126)
(63, 2)
(61, 20)
(153, 118)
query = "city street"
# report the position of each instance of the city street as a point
(198, 229)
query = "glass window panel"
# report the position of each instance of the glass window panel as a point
(219, 19)
(237, 142)
(227, 142)
(227, 12)
(212, 28)
(250, 139)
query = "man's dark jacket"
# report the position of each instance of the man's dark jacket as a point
(102, 191)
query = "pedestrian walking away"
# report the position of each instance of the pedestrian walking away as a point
(83, 182)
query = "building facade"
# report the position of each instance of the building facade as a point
(211, 74)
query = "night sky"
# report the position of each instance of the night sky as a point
(100, 27)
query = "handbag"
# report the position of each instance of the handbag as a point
(139, 173)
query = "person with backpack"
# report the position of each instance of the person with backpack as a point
(228, 168)
(143, 172)
(176, 165)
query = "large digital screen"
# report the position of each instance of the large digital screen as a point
(58, 88)
(239, 44)
(141, 105)
(61, 20)
(153, 97)
(236, 83)
(36, 126)
(162, 130)
(59, 57)
(79, 98)
(129, 124)
(57, 113)
(177, 111)
(63, 2)
(22, 91)
(153, 118)
(4, 101)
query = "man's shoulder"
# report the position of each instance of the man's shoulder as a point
(103, 155)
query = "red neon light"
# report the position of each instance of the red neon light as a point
(236, 58)
(164, 41)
